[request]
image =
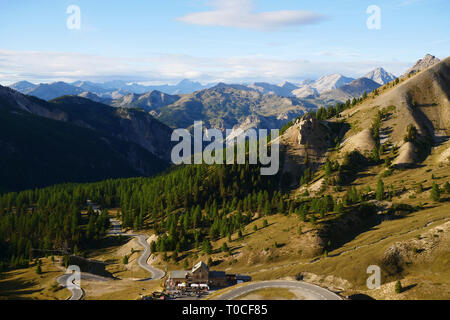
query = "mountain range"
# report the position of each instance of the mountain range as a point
(107, 90)
(115, 90)
(132, 130)
(74, 139)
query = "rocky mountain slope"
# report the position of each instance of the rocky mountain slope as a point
(354, 89)
(413, 116)
(284, 89)
(330, 82)
(323, 84)
(380, 76)
(150, 101)
(76, 139)
(424, 63)
(230, 106)
(421, 101)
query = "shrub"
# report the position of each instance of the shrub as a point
(419, 188)
(411, 134)
(225, 247)
(39, 269)
(447, 187)
(379, 195)
(387, 173)
(398, 287)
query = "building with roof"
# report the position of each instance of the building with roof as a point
(200, 275)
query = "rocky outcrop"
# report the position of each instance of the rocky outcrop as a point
(407, 156)
(363, 142)
(423, 64)
(402, 254)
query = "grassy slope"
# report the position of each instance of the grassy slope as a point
(257, 255)
(430, 278)
(25, 284)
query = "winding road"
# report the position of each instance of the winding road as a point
(116, 229)
(77, 292)
(308, 291)
(142, 261)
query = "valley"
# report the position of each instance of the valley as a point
(364, 181)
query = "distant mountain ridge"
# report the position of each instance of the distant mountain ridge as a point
(150, 101)
(113, 90)
(108, 90)
(354, 89)
(380, 76)
(232, 106)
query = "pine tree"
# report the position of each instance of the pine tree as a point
(207, 247)
(398, 287)
(435, 193)
(328, 169)
(267, 208)
(225, 247)
(379, 195)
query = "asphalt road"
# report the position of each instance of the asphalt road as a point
(116, 229)
(142, 261)
(77, 292)
(307, 290)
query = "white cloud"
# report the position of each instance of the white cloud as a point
(170, 68)
(241, 14)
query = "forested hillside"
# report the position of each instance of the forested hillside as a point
(75, 140)
(198, 199)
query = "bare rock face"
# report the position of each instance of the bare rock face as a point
(423, 64)
(407, 155)
(363, 142)
(310, 132)
(445, 156)
(416, 250)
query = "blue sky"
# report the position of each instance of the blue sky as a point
(215, 40)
